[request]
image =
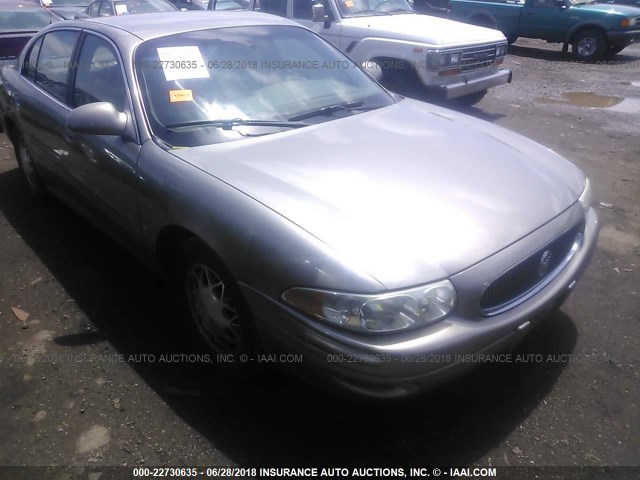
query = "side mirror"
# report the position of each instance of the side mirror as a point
(317, 12)
(100, 118)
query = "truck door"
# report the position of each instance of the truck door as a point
(546, 19)
(330, 30)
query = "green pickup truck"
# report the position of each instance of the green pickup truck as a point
(593, 29)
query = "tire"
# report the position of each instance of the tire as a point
(614, 50)
(589, 45)
(399, 77)
(28, 168)
(512, 39)
(482, 21)
(217, 316)
(469, 100)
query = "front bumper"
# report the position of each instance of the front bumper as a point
(624, 38)
(469, 86)
(399, 365)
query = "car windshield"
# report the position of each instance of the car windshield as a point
(24, 19)
(226, 84)
(142, 6)
(362, 8)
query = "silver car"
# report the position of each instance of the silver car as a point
(306, 215)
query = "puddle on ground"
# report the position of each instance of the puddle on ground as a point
(593, 100)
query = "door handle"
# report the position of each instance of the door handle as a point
(530, 13)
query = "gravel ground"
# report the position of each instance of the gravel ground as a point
(96, 311)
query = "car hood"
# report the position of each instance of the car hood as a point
(422, 29)
(409, 193)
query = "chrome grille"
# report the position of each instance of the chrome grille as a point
(525, 278)
(474, 58)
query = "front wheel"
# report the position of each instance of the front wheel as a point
(218, 317)
(590, 45)
(28, 168)
(469, 100)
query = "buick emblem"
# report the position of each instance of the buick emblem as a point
(545, 263)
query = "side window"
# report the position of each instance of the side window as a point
(54, 61)
(94, 8)
(29, 67)
(99, 76)
(302, 9)
(106, 9)
(276, 7)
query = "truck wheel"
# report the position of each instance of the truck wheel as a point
(589, 45)
(217, 316)
(28, 168)
(482, 21)
(614, 50)
(512, 39)
(469, 100)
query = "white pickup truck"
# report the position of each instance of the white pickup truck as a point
(453, 60)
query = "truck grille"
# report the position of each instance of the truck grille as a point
(474, 58)
(526, 278)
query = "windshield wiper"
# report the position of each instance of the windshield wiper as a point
(369, 12)
(228, 124)
(330, 109)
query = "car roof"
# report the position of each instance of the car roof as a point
(152, 25)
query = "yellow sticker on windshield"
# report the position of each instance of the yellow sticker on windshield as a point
(180, 96)
(348, 3)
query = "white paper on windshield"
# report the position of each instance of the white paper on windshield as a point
(121, 9)
(182, 63)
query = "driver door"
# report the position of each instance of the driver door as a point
(544, 19)
(330, 30)
(104, 166)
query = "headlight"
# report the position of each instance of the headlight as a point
(442, 60)
(628, 22)
(585, 197)
(376, 313)
(501, 50)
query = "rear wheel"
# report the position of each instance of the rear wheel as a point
(512, 39)
(483, 21)
(590, 45)
(28, 167)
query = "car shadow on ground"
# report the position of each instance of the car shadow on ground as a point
(557, 55)
(275, 419)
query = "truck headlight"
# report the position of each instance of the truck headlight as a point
(628, 22)
(443, 60)
(585, 197)
(386, 312)
(501, 50)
